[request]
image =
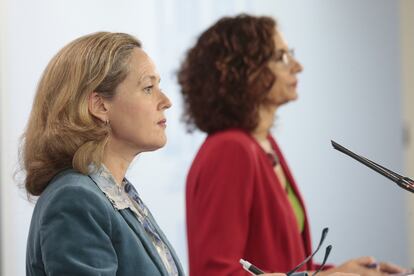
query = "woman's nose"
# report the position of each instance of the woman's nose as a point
(297, 66)
(165, 102)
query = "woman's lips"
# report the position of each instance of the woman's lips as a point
(162, 123)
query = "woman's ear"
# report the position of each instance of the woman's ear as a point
(98, 107)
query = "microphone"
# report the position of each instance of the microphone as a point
(402, 181)
(323, 236)
(325, 258)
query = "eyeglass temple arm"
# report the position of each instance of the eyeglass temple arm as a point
(323, 236)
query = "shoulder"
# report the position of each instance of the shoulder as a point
(71, 191)
(232, 139)
(69, 181)
(235, 135)
(230, 146)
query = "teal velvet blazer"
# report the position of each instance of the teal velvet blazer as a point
(75, 230)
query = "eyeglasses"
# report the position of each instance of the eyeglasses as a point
(327, 252)
(285, 56)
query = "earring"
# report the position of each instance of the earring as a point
(107, 122)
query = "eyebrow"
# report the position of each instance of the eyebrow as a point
(283, 50)
(152, 77)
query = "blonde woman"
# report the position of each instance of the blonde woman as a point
(97, 106)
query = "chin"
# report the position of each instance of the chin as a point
(157, 145)
(287, 100)
(152, 142)
(162, 144)
(293, 96)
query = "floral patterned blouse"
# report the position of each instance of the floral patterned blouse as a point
(126, 196)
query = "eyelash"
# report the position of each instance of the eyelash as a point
(148, 89)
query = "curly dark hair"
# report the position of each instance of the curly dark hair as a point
(224, 77)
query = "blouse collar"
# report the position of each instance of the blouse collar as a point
(114, 192)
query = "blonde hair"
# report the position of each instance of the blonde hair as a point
(61, 132)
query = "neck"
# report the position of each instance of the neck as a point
(117, 160)
(266, 117)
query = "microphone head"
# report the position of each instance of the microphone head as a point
(323, 236)
(327, 252)
(325, 232)
(325, 258)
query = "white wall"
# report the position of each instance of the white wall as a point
(2, 115)
(407, 60)
(350, 91)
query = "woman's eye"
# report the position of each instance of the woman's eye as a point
(148, 89)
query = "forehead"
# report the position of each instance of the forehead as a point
(141, 65)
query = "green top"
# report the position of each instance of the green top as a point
(297, 207)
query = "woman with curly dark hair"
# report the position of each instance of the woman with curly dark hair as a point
(242, 200)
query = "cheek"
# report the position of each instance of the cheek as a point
(276, 91)
(139, 116)
(127, 114)
(131, 107)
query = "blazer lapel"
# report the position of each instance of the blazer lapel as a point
(143, 237)
(167, 243)
(138, 229)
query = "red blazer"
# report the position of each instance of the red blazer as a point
(236, 208)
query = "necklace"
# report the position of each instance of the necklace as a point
(268, 149)
(273, 158)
